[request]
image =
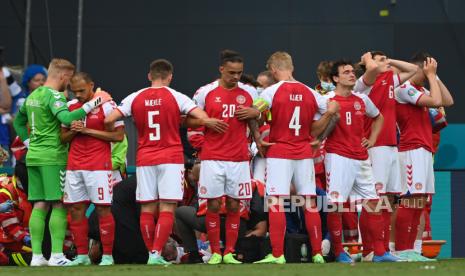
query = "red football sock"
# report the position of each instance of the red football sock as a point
(147, 229)
(366, 235)
(313, 224)
(415, 223)
(107, 233)
(376, 228)
(350, 225)
(277, 229)
(427, 231)
(212, 223)
(80, 230)
(233, 219)
(334, 222)
(163, 230)
(403, 228)
(387, 228)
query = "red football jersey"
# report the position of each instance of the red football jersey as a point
(381, 93)
(413, 120)
(157, 115)
(293, 108)
(87, 152)
(221, 103)
(346, 138)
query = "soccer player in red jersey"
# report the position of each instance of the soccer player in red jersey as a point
(347, 165)
(415, 149)
(293, 107)
(156, 111)
(89, 170)
(225, 168)
(379, 82)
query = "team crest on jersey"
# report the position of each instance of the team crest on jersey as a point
(58, 104)
(357, 106)
(203, 190)
(418, 186)
(240, 99)
(411, 92)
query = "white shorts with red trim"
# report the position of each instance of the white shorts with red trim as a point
(219, 178)
(88, 186)
(160, 182)
(416, 171)
(386, 169)
(348, 178)
(281, 173)
(116, 177)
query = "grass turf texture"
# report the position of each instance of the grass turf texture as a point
(443, 267)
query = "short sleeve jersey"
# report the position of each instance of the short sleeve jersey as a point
(381, 93)
(293, 108)
(41, 108)
(346, 138)
(222, 103)
(413, 120)
(157, 115)
(87, 152)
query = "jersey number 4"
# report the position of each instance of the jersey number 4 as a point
(154, 136)
(295, 121)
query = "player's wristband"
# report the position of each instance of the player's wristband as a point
(26, 143)
(92, 104)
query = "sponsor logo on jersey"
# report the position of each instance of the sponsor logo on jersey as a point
(383, 82)
(411, 92)
(240, 99)
(217, 99)
(357, 105)
(58, 104)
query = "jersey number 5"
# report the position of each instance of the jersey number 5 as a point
(152, 124)
(295, 121)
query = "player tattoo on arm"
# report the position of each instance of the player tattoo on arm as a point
(329, 128)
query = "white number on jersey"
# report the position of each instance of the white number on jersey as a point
(33, 125)
(228, 110)
(156, 136)
(391, 92)
(348, 118)
(295, 121)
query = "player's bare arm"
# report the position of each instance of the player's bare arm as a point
(67, 134)
(446, 97)
(5, 96)
(198, 118)
(110, 120)
(435, 98)
(375, 131)
(319, 126)
(407, 70)
(117, 135)
(372, 69)
(246, 113)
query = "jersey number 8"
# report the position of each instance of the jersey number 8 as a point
(152, 124)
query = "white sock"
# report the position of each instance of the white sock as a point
(56, 255)
(37, 255)
(417, 246)
(392, 246)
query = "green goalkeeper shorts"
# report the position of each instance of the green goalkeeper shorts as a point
(46, 183)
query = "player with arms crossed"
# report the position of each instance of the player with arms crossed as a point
(294, 107)
(44, 111)
(348, 169)
(89, 170)
(415, 149)
(157, 111)
(225, 168)
(379, 82)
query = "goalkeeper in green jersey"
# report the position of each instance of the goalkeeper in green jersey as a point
(44, 111)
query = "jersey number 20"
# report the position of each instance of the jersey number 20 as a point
(152, 124)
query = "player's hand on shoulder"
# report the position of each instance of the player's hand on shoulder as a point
(216, 125)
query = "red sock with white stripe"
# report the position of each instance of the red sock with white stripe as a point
(313, 224)
(233, 219)
(277, 229)
(79, 230)
(212, 223)
(107, 233)
(163, 230)
(147, 229)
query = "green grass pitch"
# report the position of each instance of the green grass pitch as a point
(442, 267)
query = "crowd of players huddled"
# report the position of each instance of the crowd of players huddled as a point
(282, 172)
